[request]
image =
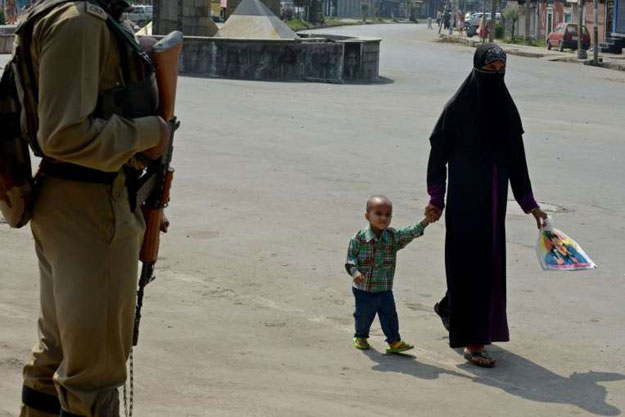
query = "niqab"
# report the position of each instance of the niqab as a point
(482, 112)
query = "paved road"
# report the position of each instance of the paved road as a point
(251, 311)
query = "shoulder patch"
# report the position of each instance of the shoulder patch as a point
(96, 11)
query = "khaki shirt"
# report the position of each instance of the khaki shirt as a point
(76, 56)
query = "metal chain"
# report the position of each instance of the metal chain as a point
(129, 405)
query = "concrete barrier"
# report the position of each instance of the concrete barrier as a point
(6, 43)
(322, 59)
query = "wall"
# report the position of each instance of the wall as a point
(191, 16)
(6, 39)
(282, 60)
(353, 8)
(590, 20)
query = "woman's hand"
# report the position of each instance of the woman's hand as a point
(433, 213)
(540, 217)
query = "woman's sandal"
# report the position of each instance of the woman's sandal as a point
(400, 347)
(361, 343)
(480, 358)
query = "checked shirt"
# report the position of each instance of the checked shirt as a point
(376, 257)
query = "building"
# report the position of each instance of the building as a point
(375, 8)
(615, 42)
(546, 15)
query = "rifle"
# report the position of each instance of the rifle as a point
(154, 183)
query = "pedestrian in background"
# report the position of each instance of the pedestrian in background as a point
(460, 23)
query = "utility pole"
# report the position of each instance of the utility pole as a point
(595, 32)
(493, 22)
(442, 21)
(453, 17)
(527, 22)
(483, 34)
(581, 53)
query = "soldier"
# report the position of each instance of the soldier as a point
(95, 110)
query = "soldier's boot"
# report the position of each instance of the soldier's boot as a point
(38, 404)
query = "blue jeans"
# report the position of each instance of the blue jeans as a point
(368, 304)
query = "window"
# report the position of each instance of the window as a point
(567, 17)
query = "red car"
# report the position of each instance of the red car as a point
(565, 36)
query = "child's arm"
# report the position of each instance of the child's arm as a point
(408, 234)
(351, 263)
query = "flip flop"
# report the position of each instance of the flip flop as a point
(401, 347)
(361, 343)
(480, 358)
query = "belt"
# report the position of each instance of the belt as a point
(72, 172)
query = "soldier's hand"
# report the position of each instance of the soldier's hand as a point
(164, 224)
(158, 150)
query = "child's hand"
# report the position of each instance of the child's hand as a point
(359, 278)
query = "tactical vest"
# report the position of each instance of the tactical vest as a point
(18, 113)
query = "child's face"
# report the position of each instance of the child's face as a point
(379, 216)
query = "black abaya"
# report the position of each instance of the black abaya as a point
(478, 141)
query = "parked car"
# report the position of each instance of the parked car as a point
(565, 36)
(140, 15)
(475, 18)
(473, 22)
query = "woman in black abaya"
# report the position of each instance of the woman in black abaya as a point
(478, 139)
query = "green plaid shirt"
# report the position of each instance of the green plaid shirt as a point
(375, 257)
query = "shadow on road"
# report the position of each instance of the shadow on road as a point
(380, 80)
(523, 378)
(407, 364)
(517, 376)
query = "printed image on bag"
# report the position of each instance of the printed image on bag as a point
(558, 252)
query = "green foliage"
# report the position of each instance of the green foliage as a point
(511, 12)
(2, 19)
(499, 31)
(538, 43)
(298, 24)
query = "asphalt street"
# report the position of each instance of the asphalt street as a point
(251, 310)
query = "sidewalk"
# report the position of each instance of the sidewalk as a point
(611, 61)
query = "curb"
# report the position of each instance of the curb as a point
(510, 50)
(507, 49)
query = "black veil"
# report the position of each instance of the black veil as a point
(482, 113)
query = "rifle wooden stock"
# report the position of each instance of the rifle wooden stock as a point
(153, 221)
(166, 55)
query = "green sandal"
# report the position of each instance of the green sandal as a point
(401, 347)
(361, 343)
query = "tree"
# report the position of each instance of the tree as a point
(511, 14)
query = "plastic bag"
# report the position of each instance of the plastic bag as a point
(558, 252)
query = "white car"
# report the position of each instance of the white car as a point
(140, 15)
